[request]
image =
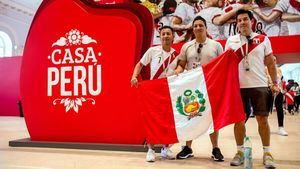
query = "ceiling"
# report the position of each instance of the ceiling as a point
(19, 8)
(31, 4)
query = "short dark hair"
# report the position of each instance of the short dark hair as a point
(167, 27)
(243, 11)
(199, 18)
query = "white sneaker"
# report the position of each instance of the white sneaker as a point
(282, 132)
(150, 157)
(166, 153)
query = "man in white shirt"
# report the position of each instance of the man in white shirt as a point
(256, 51)
(168, 9)
(163, 61)
(215, 17)
(183, 17)
(287, 10)
(199, 51)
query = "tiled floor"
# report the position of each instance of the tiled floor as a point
(286, 151)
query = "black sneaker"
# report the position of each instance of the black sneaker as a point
(217, 155)
(186, 152)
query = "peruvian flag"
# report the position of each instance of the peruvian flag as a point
(212, 92)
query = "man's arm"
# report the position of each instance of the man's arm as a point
(180, 66)
(270, 18)
(270, 63)
(290, 17)
(221, 19)
(137, 70)
(176, 24)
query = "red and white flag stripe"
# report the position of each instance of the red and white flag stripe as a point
(211, 91)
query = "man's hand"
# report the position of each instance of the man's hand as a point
(275, 89)
(134, 82)
(257, 10)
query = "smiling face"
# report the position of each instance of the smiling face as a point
(166, 36)
(244, 24)
(199, 28)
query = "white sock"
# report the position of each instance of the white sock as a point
(240, 148)
(267, 149)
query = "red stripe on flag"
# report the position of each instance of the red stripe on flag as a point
(159, 119)
(222, 83)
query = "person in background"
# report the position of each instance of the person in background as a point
(289, 96)
(183, 18)
(296, 91)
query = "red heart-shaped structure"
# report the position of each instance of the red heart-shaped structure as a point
(76, 70)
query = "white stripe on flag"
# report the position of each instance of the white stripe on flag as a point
(189, 129)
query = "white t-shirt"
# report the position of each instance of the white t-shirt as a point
(215, 31)
(156, 56)
(186, 13)
(209, 50)
(285, 6)
(230, 29)
(164, 21)
(270, 29)
(258, 25)
(256, 77)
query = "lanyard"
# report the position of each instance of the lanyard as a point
(246, 63)
(245, 54)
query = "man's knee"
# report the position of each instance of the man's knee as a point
(239, 124)
(262, 120)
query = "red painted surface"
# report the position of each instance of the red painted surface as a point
(116, 41)
(9, 85)
(122, 33)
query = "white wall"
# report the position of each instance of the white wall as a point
(15, 20)
(291, 71)
(17, 32)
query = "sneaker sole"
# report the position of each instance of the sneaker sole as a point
(270, 167)
(168, 158)
(232, 164)
(185, 157)
(218, 160)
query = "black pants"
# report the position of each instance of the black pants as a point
(279, 109)
(290, 108)
(296, 104)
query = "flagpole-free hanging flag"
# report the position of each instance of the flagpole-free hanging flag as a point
(212, 92)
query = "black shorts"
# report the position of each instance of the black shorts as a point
(259, 98)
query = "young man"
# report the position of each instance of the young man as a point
(257, 53)
(162, 60)
(183, 17)
(199, 51)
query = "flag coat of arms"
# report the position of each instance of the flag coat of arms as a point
(211, 93)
